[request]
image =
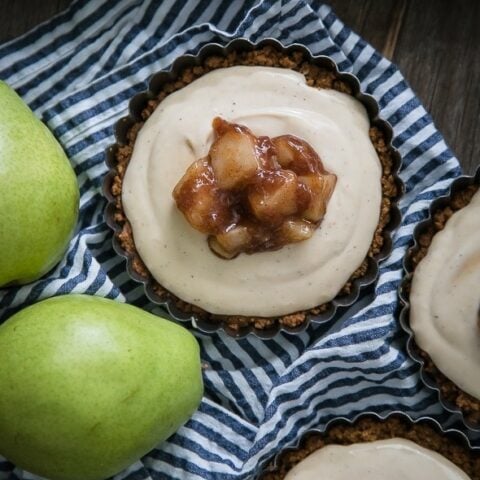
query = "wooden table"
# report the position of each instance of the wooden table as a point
(436, 44)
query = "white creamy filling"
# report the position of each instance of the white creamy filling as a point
(395, 459)
(445, 299)
(269, 101)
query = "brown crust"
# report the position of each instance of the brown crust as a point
(316, 77)
(369, 430)
(469, 405)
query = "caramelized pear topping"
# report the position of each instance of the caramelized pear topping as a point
(251, 194)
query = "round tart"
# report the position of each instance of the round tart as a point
(442, 298)
(369, 448)
(267, 92)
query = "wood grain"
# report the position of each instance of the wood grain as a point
(19, 16)
(439, 50)
(378, 21)
(436, 44)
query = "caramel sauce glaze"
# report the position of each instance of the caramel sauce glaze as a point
(251, 194)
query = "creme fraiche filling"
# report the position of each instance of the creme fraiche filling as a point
(445, 299)
(393, 459)
(270, 102)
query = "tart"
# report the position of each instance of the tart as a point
(371, 448)
(442, 298)
(271, 92)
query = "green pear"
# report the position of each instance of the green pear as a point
(89, 385)
(38, 194)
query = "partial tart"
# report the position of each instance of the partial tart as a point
(169, 128)
(370, 447)
(441, 298)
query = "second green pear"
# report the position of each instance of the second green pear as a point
(89, 385)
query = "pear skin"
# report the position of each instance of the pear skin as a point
(38, 194)
(90, 385)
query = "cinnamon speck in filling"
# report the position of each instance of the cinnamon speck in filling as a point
(252, 194)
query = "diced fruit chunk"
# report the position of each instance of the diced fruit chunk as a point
(296, 155)
(285, 154)
(296, 231)
(275, 197)
(200, 200)
(321, 188)
(232, 242)
(234, 160)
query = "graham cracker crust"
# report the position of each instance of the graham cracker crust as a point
(369, 430)
(316, 77)
(469, 405)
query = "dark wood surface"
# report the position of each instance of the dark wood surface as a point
(436, 44)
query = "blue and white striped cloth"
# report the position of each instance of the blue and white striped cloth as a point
(78, 72)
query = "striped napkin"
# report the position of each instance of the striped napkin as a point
(78, 72)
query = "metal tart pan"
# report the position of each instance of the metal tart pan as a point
(452, 435)
(137, 104)
(458, 185)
